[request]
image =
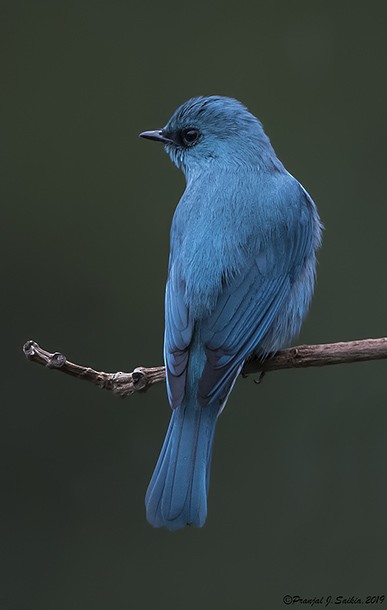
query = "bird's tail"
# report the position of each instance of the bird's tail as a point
(177, 492)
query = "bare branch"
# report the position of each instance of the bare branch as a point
(142, 378)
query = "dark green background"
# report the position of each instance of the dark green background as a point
(298, 501)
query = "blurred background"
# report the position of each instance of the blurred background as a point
(298, 499)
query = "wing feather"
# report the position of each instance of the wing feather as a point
(245, 309)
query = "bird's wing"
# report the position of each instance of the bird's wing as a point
(177, 338)
(247, 310)
(244, 315)
(244, 312)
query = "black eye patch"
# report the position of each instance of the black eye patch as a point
(186, 137)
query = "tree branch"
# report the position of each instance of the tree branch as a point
(142, 378)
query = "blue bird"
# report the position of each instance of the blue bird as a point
(241, 276)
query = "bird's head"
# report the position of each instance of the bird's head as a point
(215, 129)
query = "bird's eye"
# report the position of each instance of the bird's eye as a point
(190, 136)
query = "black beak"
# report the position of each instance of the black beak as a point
(156, 135)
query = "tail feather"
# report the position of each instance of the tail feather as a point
(177, 492)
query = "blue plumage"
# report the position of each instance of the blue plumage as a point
(241, 275)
